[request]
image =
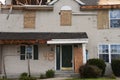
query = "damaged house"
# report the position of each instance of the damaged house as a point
(38, 35)
(30, 2)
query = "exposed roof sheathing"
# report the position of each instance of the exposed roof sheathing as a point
(101, 2)
(30, 2)
(108, 2)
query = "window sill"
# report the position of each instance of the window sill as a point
(28, 7)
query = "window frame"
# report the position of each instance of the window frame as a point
(34, 55)
(109, 50)
(109, 57)
(26, 54)
(111, 19)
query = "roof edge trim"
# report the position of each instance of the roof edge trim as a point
(53, 2)
(79, 2)
(67, 41)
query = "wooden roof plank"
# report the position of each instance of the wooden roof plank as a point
(98, 7)
(28, 7)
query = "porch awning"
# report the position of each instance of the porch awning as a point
(67, 41)
(42, 37)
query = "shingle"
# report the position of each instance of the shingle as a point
(90, 2)
(33, 36)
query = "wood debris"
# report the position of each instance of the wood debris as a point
(30, 2)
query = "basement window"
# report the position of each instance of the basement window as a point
(31, 2)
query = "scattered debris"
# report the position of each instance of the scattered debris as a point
(30, 2)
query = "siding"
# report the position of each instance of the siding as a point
(15, 66)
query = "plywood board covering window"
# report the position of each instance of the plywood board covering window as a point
(78, 58)
(103, 19)
(29, 19)
(66, 17)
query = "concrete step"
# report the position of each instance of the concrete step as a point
(66, 74)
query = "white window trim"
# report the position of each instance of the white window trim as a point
(110, 21)
(61, 57)
(109, 49)
(26, 52)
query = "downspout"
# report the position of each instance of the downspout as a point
(3, 63)
(29, 72)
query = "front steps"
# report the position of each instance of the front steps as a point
(66, 74)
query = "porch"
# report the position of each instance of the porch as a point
(35, 53)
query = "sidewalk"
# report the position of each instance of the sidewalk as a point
(58, 78)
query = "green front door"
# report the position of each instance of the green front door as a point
(66, 57)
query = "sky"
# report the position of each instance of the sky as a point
(3, 1)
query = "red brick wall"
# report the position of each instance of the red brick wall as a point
(78, 58)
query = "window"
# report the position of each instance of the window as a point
(103, 52)
(29, 52)
(107, 52)
(115, 18)
(115, 51)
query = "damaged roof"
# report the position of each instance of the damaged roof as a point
(41, 36)
(101, 2)
(90, 2)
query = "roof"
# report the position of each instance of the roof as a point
(101, 2)
(41, 36)
(90, 2)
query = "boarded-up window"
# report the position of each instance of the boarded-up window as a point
(29, 19)
(103, 19)
(66, 17)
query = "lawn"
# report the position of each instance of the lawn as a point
(93, 79)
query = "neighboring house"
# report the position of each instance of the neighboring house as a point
(61, 35)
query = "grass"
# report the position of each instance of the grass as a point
(92, 79)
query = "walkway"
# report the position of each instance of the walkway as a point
(58, 78)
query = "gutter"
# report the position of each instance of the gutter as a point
(79, 2)
(53, 2)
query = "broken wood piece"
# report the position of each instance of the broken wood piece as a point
(0, 7)
(40, 2)
(9, 12)
(26, 2)
(37, 2)
(19, 3)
